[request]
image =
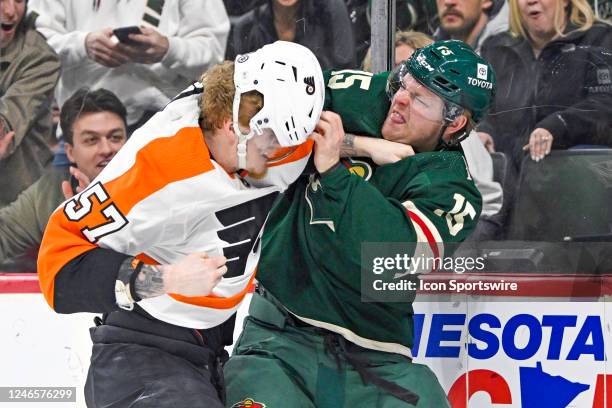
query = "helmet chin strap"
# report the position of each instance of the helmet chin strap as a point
(451, 112)
(442, 145)
(241, 147)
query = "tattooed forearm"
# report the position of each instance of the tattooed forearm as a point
(149, 282)
(348, 146)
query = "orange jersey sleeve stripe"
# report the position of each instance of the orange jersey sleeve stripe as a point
(162, 161)
(217, 302)
(146, 259)
(299, 152)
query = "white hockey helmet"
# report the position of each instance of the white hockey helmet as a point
(290, 79)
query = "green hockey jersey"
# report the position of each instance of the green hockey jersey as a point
(311, 257)
(359, 97)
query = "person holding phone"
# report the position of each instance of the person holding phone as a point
(175, 41)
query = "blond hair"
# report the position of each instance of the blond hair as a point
(413, 39)
(218, 98)
(580, 14)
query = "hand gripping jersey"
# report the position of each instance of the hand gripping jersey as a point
(161, 198)
(312, 246)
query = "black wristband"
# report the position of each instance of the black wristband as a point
(133, 277)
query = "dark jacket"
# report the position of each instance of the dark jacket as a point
(322, 25)
(567, 90)
(29, 70)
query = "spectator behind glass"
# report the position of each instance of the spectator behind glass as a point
(405, 44)
(416, 15)
(180, 39)
(553, 78)
(29, 70)
(471, 21)
(239, 7)
(410, 15)
(321, 25)
(93, 124)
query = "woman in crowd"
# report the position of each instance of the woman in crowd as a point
(553, 76)
(405, 44)
(321, 25)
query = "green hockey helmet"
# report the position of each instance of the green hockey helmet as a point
(453, 71)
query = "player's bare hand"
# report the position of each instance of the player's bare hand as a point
(383, 151)
(5, 143)
(195, 275)
(487, 141)
(103, 50)
(540, 143)
(328, 136)
(81, 178)
(150, 46)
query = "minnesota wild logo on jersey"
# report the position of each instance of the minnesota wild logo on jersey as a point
(359, 168)
(249, 403)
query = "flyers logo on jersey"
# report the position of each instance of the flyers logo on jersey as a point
(249, 403)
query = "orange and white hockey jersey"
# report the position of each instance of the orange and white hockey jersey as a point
(161, 198)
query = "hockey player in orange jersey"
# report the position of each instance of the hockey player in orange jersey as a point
(165, 240)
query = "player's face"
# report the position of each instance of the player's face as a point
(538, 16)
(11, 14)
(458, 17)
(96, 138)
(260, 150)
(415, 116)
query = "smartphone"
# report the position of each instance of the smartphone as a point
(122, 34)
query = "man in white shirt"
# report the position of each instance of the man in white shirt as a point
(180, 39)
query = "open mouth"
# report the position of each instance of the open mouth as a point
(7, 27)
(397, 118)
(534, 14)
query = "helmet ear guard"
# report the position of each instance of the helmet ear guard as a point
(290, 79)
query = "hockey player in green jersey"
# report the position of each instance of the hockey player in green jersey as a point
(309, 340)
